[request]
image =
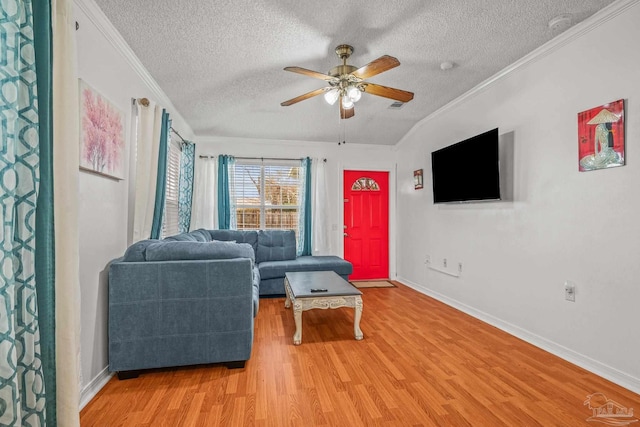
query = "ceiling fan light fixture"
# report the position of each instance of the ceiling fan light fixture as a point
(331, 96)
(347, 82)
(354, 93)
(347, 102)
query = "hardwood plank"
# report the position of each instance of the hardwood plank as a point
(421, 363)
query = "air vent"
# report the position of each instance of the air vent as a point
(396, 105)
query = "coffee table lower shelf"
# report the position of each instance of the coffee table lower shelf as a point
(322, 302)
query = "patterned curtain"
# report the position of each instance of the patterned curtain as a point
(185, 190)
(161, 179)
(304, 219)
(22, 388)
(226, 200)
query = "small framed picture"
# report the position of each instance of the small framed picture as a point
(601, 137)
(417, 179)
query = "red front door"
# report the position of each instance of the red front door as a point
(366, 220)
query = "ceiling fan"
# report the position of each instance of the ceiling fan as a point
(346, 82)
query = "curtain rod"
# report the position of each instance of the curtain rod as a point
(145, 102)
(184, 141)
(258, 158)
(267, 158)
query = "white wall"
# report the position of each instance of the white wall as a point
(106, 63)
(339, 158)
(104, 202)
(561, 224)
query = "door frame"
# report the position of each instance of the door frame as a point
(392, 208)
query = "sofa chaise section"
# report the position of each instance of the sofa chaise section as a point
(276, 254)
(272, 272)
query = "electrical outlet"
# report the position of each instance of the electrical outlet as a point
(570, 291)
(444, 263)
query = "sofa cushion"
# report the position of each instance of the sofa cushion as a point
(201, 235)
(240, 236)
(180, 250)
(276, 245)
(135, 252)
(277, 269)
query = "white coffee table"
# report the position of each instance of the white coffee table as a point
(339, 293)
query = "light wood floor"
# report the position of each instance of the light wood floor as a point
(421, 363)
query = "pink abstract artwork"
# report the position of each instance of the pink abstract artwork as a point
(102, 134)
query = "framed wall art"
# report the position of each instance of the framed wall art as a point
(601, 137)
(102, 140)
(418, 179)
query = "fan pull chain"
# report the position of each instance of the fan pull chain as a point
(342, 133)
(339, 127)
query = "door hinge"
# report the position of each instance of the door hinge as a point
(346, 200)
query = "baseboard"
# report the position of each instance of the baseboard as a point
(618, 377)
(90, 390)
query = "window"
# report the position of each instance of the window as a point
(365, 184)
(170, 221)
(267, 194)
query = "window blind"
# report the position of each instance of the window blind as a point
(170, 225)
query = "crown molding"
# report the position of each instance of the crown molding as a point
(614, 9)
(106, 28)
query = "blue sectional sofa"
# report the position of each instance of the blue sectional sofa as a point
(192, 298)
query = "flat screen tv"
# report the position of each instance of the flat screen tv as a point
(467, 171)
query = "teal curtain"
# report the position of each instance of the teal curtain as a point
(225, 210)
(185, 190)
(161, 180)
(22, 382)
(304, 220)
(45, 237)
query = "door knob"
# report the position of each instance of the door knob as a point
(346, 235)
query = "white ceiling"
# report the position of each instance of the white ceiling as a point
(221, 62)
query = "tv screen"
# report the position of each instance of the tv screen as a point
(467, 171)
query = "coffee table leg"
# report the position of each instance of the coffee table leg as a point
(287, 301)
(356, 319)
(297, 317)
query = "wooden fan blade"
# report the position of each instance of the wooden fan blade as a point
(346, 113)
(310, 73)
(305, 96)
(388, 92)
(377, 66)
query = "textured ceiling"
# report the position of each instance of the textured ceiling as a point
(221, 62)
